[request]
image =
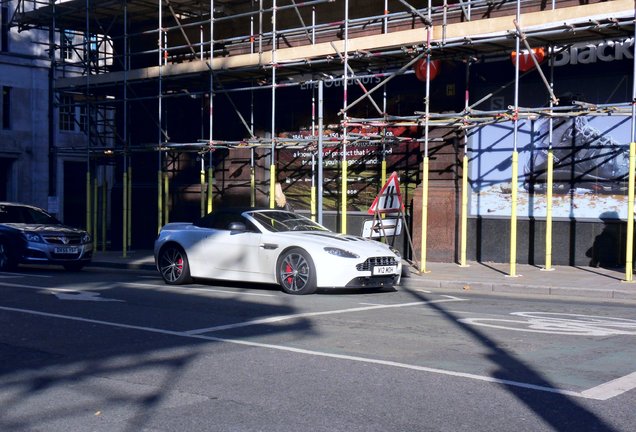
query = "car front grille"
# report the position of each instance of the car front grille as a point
(62, 240)
(376, 261)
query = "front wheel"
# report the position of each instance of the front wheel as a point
(173, 265)
(296, 272)
(7, 262)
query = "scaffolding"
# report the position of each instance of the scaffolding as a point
(115, 58)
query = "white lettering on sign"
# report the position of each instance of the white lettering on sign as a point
(585, 53)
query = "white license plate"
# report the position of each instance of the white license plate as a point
(382, 270)
(66, 250)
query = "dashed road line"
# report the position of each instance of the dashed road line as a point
(612, 388)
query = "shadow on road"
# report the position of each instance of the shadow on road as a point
(64, 360)
(560, 411)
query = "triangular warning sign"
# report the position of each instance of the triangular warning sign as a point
(389, 199)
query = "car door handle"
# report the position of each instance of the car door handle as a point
(268, 246)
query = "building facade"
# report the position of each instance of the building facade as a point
(164, 110)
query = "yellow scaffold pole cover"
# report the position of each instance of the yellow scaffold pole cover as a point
(513, 214)
(202, 194)
(125, 216)
(252, 187)
(548, 212)
(95, 214)
(89, 217)
(464, 221)
(159, 200)
(345, 181)
(272, 185)
(210, 188)
(313, 203)
(424, 214)
(166, 197)
(104, 211)
(629, 255)
(129, 212)
(383, 174)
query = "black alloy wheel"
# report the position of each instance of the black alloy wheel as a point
(296, 272)
(173, 265)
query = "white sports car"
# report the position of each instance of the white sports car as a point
(272, 246)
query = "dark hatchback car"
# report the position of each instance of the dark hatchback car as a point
(29, 235)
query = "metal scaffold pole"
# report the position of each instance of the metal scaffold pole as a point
(87, 68)
(344, 161)
(159, 143)
(210, 194)
(126, 187)
(464, 203)
(425, 160)
(272, 167)
(550, 182)
(320, 151)
(629, 253)
(514, 184)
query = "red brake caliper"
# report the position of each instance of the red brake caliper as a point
(288, 269)
(180, 264)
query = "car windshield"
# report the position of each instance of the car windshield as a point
(25, 215)
(281, 221)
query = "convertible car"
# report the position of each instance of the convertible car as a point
(272, 246)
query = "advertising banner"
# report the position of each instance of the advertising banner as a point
(591, 163)
(364, 160)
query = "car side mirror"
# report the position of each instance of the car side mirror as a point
(237, 227)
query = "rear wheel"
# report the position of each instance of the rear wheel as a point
(7, 262)
(173, 265)
(296, 272)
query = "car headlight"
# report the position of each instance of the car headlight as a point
(341, 252)
(86, 238)
(32, 237)
(395, 251)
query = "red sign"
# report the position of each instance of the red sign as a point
(389, 200)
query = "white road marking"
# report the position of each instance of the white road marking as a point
(160, 287)
(66, 293)
(276, 319)
(559, 323)
(183, 288)
(612, 388)
(85, 296)
(593, 393)
(7, 275)
(33, 287)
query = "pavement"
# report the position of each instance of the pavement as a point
(572, 282)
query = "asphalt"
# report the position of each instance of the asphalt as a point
(573, 282)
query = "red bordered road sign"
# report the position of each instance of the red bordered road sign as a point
(389, 200)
